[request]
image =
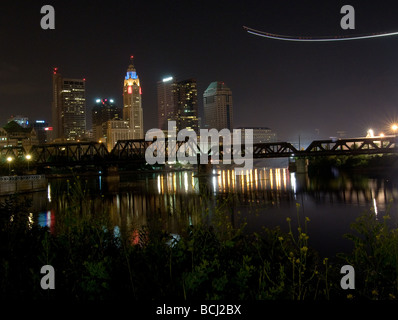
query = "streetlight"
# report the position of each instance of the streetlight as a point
(9, 160)
(394, 127)
(28, 157)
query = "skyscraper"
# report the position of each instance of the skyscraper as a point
(178, 101)
(166, 107)
(217, 105)
(132, 105)
(187, 105)
(104, 110)
(68, 107)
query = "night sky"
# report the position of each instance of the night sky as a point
(307, 89)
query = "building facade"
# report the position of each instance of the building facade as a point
(23, 121)
(68, 108)
(260, 134)
(14, 135)
(187, 105)
(218, 106)
(178, 101)
(166, 107)
(132, 102)
(103, 110)
(43, 131)
(117, 130)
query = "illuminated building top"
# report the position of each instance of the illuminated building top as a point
(131, 72)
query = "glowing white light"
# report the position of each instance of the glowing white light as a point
(49, 192)
(214, 181)
(98, 100)
(159, 185)
(375, 206)
(111, 100)
(49, 218)
(186, 181)
(167, 79)
(30, 220)
(293, 182)
(370, 133)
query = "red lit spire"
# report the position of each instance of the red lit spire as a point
(131, 65)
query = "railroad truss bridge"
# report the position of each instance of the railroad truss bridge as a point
(133, 151)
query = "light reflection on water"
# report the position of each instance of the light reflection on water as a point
(262, 197)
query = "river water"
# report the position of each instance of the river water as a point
(264, 197)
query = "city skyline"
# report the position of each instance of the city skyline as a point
(307, 90)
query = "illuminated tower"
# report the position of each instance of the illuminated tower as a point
(132, 107)
(68, 107)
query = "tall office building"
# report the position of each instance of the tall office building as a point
(187, 105)
(178, 101)
(132, 104)
(217, 105)
(68, 108)
(166, 107)
(104, 110)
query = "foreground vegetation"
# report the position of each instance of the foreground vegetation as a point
(209, 260)
(370, 164)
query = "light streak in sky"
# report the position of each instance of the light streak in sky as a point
(316, 39)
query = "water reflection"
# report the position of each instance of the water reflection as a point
(261, 197)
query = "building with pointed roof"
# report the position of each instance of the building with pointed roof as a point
(14, 135)
(132, 102)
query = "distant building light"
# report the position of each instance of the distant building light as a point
(111, 100)
(48, 128)
(40, 121)
(167, 79)
(98, 100)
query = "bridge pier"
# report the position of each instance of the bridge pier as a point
(110, 171)
(205, 169)
(302, 165)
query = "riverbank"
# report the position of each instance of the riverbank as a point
(207, 261)
(379, 165)
(22, 184)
